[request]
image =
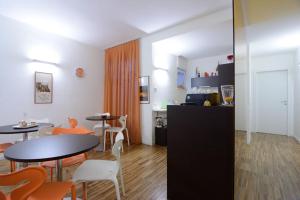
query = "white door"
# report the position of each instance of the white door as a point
(272, 102)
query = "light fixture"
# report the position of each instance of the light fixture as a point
(44, 62)
(160, 68)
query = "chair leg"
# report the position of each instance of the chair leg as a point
(127, 136)
(73, 191)
(84, 191)
(104, 140)
(122, 180)
(111, 139)
(12, 166)
(117, 188)
(51, 174)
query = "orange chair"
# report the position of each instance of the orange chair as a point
(80, 131)
(67, 162)
(3, 147)
(34, 186)
(73, 122)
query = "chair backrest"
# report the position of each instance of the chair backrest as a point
(34, 177)
(122, 121)
(72, 122)
(116, 150)
(65, 131)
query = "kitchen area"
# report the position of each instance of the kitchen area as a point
(192, 106)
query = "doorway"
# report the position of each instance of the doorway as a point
(272, 102)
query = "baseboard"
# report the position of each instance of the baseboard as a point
(296, 137)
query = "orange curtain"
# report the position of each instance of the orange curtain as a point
(121, 96)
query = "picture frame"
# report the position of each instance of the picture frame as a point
(144, 91)
(181, 76)
(43, 88)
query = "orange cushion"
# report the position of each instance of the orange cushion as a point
(51, 191)
(83, 131)
(4, 146)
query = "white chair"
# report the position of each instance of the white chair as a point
(123, 127)
(97, 170)
(98, 127)
(43, 131)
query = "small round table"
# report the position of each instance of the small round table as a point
(9, 129)
(103, 119)
(48, 148)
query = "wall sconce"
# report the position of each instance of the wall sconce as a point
(160, 68)
(44, 62)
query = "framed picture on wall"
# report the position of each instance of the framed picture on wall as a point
(43, 88)
(181, 78)
(144, 89)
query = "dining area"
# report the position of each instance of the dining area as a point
(46, 147)
(71, 121)
(45, 150)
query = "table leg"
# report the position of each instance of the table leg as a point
(25, 138)
(59, 170)
(103, 132)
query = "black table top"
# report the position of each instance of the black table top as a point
(9, 129)
(101, 118)
(51, 148)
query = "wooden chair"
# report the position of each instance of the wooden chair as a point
(34, 186)
(3, 147)
(67, 162)
(100, 170)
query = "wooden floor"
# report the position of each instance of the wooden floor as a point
(268, 169)
(144, 170)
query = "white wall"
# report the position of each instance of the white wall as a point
(297, 96)
(165, 77)
(208, 64)
(77, 97)
(163, 88)
(147, 66)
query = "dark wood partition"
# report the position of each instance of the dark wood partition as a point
(200, 153)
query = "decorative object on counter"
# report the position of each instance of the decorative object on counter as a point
(80, 72)
(43, 88)
(144, 90)
(180, 78)
(227, 94)
(207, 103)
(159, 122)
(230, 58)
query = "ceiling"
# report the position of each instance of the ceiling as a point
(272, 27)
(105, 23)
(201, 42)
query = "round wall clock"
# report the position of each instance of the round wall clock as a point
(80, 72)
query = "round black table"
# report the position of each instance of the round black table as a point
(9, 129)
(103, 119)
(48, 148)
